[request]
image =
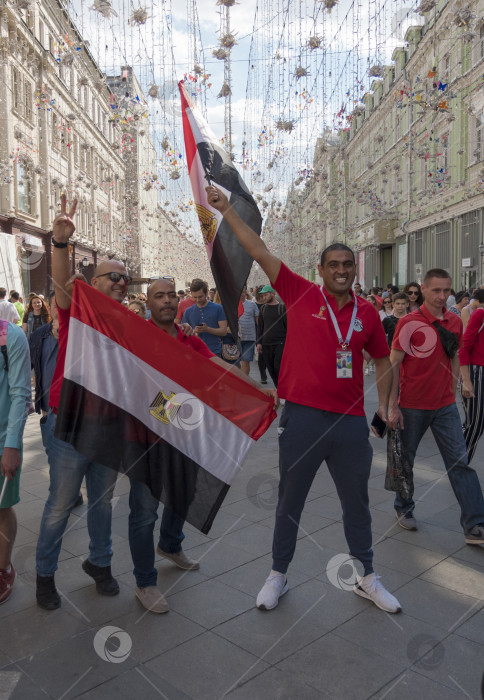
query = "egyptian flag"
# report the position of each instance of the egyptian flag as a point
(208, 163)
(138, 400)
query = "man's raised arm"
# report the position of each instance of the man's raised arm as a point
(62, 229)
(245, 235)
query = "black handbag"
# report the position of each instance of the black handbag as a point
(399, 476)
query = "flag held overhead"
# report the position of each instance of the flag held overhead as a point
(208, 164)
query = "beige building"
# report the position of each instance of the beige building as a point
(63, 129)
(404, 184)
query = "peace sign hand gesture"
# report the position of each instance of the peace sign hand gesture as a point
(63, 226)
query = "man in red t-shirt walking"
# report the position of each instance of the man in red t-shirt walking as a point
(426, 368)
(323, 417)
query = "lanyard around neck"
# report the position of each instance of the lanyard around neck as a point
(344, 343)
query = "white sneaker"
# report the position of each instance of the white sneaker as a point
(369, 587)
(271, 591)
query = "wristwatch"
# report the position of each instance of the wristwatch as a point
(56, 244)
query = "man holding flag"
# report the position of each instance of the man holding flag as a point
(323, 417)
(163, 303)
(67, 467)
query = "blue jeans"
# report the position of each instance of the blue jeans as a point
(142, 517)
(308, 436)
(446, 427)
(67, 469)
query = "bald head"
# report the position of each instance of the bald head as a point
(109, 266)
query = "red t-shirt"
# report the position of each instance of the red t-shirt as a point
(183, 306)
(308, 370)
(64, 314)
(425, 373)
(193, 341)
(472, 350)
(55, 387)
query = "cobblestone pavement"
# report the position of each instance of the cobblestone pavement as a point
(321, 641)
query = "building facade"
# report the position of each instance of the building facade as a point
(64, 127)
(403, 185)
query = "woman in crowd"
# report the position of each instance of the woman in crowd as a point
(476, 301)
(137, 307)
(414, 293)
(461, 300)
(387, 308)
(36, 315)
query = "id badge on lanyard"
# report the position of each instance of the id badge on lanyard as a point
(344, 356)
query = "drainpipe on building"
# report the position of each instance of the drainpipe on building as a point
(46, 216)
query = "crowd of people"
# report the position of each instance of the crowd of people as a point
(414, 339)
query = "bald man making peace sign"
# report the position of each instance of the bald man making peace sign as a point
(67, 466)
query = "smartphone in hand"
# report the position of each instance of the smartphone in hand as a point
(379, 425)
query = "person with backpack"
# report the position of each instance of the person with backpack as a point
(272, 330)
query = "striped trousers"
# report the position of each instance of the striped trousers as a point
(474, 409)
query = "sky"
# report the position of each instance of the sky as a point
(272, 47)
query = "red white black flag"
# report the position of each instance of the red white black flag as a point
(208, 163)
(137, 400)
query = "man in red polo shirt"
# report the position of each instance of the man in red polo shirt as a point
(426, 368)
(323, 417)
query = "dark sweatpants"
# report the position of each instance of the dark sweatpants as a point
(272, 355)
(309, 436)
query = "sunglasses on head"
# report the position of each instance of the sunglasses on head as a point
(169, 278)
(116, 277)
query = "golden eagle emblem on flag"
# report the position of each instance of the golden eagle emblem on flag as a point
(208, 223)
(164, 408)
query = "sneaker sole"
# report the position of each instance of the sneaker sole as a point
(271, 607)
(359, 591)
(477, 541)
(401, 523)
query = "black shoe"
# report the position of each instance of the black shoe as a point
(79, 501)
(106, 584)
(46, 594)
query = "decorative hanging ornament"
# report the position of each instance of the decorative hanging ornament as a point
(300, 72)
(376, 72)
(153, 90)
(314, 42)
(225, 91)
(104, 8)
(139, 16)
(220, 54)
(228, 40)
